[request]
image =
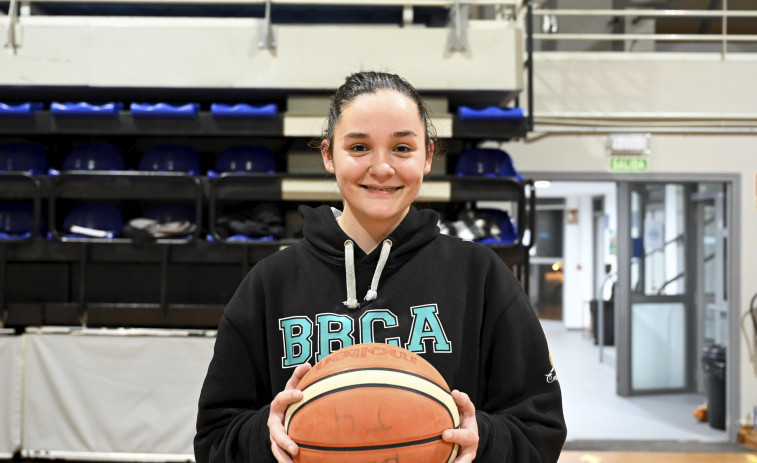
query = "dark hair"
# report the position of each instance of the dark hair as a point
(366, 82)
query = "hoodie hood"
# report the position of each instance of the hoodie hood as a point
(325, 238)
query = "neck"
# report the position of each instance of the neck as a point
(367, 234)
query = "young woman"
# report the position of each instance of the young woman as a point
(379, 271)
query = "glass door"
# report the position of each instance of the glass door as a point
(712, 272)
(546, 267)
(655, 319)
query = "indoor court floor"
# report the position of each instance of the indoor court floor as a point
(656, 457)
(606, 428)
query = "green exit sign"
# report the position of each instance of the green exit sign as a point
(629, 164)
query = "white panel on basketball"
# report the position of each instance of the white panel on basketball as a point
(373, 377)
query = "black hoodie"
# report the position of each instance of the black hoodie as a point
(453, 302)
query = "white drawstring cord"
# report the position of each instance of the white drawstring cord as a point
(383, 257)
(349, 266)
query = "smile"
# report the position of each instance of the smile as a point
(381, 189)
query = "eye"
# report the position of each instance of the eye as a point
(358, 148)
(403, 149)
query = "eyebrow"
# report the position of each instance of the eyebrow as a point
(404, 133)
(356, 135)
(400, 134)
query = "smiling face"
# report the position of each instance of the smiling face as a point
(379, 155)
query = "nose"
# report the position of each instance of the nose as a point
(381, 167)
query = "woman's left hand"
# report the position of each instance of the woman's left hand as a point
(467, 436)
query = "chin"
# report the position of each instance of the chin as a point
(381, 214)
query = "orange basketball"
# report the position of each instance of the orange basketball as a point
(373, 403)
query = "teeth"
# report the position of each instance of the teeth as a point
(381, 189)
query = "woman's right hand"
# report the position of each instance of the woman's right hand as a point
(281, 445)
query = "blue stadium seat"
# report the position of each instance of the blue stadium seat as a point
(96, 216)
(488, 162)
(16, 220)
(490, 114)
(246, 159)
(171, 158)
(244, 111)
(19, 110)
(187, 110)
(95, 156)
(25, 157)
(497, 222)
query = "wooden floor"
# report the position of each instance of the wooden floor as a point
(574, 456)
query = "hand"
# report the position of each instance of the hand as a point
(467, 436)
(280, 441)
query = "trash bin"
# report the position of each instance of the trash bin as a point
(713, 363)
(608, 309)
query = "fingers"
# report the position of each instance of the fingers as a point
(280, 455)
(467, 436)
(466, 439)
(290, 394)
(299, 372)
(281, 445)
(283, 399)
(463, 437)
(279, 438)
(463, 402)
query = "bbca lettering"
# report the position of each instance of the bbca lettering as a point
(330, 332)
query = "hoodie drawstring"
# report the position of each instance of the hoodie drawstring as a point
(386, 246)
(349, 265)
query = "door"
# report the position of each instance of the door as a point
(656, 312)
(711, 242)
(546, 272)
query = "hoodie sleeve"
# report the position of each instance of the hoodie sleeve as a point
(236, 395)
(519, 415)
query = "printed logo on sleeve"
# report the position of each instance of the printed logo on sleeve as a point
(552, 375)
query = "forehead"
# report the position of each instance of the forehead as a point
(381, 108)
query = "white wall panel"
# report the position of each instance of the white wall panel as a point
(224, 53)
(11, 382)
(618, 83)
(112, 394)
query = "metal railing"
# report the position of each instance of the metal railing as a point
(441, 3)
(459, 12)
(550, 27)
(628, 34)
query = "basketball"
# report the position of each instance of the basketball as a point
(373, 403)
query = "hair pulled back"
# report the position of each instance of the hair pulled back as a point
(368, 82)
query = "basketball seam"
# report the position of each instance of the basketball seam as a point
(365, 448)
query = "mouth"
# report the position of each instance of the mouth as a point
(382, 190)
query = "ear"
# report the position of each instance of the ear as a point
(328, 160)
(429, 157)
